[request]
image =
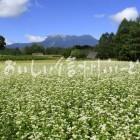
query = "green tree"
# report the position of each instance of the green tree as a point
(67, 52)
(78, 53)
(106, 47)
(35, 48)
(125, 45)
(128, 40)
(123, 33)
(2, 43)
(134, 51)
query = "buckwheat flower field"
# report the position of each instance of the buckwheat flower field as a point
(74, 101)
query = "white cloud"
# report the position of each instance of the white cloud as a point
(99, 16)
(8, 42)
(130, 13)
(34, 38)
(12, 8)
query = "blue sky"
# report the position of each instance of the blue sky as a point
(33, 20)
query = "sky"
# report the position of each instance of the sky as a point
(33, 20)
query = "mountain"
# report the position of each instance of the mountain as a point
(61, 41)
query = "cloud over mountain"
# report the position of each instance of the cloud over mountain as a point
(34, 38)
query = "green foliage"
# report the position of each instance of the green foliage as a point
(8, 51)
(106, 48)
(78, 53)
(35, 48)
(67, 52)
(56, 50)
(84, 47)
(125, 45)
(2, 43)
(123, 33)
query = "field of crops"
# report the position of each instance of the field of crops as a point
(82, 100)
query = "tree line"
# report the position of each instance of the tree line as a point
(124, 45)
(75, 51)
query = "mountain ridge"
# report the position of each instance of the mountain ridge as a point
(63, 41)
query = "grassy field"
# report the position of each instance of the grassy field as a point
(28, 57)
(69, 100)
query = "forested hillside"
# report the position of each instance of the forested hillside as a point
(124, 45)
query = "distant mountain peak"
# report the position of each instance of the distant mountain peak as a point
(63, 41)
